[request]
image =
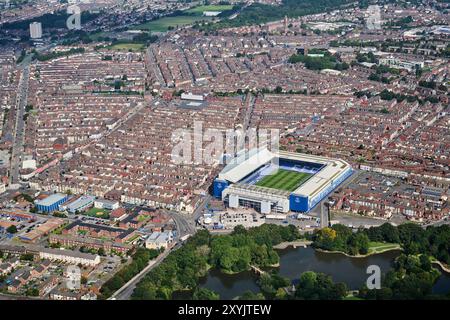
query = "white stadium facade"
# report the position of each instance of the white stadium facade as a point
(239, 183)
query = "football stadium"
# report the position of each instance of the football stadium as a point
(279, 182)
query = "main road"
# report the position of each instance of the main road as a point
(19, 128)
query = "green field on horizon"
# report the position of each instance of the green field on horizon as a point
(201, 9)
(163, 24)
(284, 180)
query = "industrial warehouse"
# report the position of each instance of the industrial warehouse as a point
(279, 182)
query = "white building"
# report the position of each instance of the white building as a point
(68, 256)
(29, 163)
(158, 240)
(78, 205)
(247, 219)
(194, 97)
(35, 30)
(402, 64)
(106, 204)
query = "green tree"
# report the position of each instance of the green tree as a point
(248, 295)
(11, 229)
(359, 243)
(205, 294)
(27, 257)
(318, 286)
(33, 292)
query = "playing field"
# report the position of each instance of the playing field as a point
(284, 180)
(201, 9)
(97, 213)
(163, 24)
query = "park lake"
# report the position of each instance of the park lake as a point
(294, 261)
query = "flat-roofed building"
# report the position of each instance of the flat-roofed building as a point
(44, 229)
(51, 203)
(106, 204)
(194, 97)
(80, 204)
(158, 240)
(68, 256)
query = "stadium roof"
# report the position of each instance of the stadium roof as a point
(321, 179)
(245, 163)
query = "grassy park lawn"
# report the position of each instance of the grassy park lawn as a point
(284, 180)
(201, 9)
(376, 247)
(163, 24)
(98, 213)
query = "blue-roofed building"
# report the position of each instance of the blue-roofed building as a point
(51, 203)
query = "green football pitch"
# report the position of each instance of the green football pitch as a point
(284, 180)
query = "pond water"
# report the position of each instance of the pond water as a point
(295, 261)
